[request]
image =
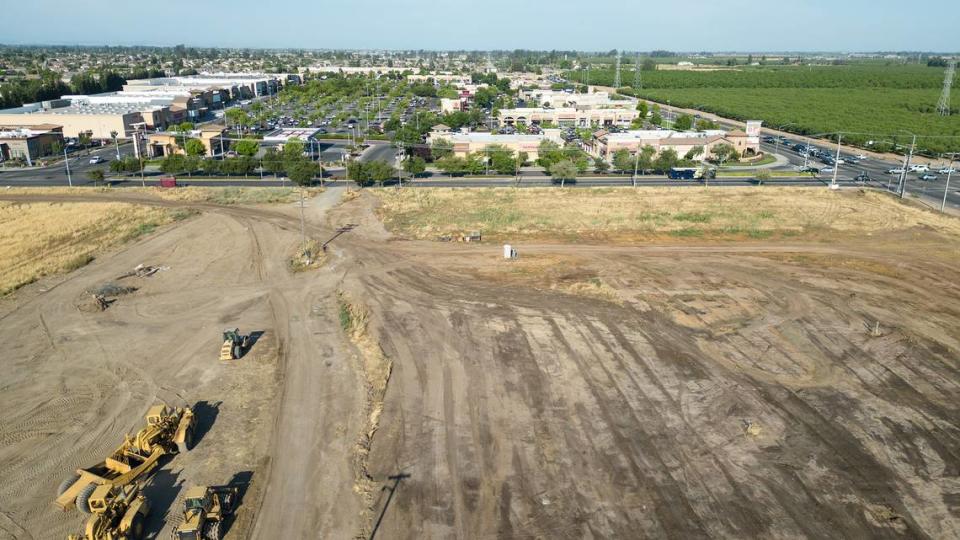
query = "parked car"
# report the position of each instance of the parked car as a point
(928, 177)
(95, 160)
(947, 170)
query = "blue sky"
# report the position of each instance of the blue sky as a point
(689, 25)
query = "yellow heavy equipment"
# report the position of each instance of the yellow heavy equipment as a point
(119, 513)
(234, 344)
(204, 509)
(168, 431)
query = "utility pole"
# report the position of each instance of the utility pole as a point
(946, 188)
(616, 76)
(906, 166)
(943, 106)
(637, 80)
(836, 163)
(636, 164)
(66, 161)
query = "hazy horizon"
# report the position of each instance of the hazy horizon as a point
(804, 26)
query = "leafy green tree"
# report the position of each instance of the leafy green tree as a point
(600, 165)
(484, 97)
(643, 108)
(424, 90)
(645, 159)
(272, 161)
(763, 175)
(656, 119)
(693, 153)
(238, 117)
(703, 124)
(414, 165)
(302, 172)
(56, 148)
(247, 147)
(452, 165)
(548, 153)
(622, 160)
(684, 122)
(292, 152)
(96, 175)
(173, 164)
(357, 171)
(194, 147)
(724, 152)
(563, 171)
(440, 149)
(381, 171)
(117, 166)
(666, 160)
(649, 64)
(501, 159)
(408, 135)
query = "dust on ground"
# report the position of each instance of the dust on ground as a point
(798, 388)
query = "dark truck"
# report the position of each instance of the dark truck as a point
(682, 173)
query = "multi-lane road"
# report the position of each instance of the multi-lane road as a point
(931, 191)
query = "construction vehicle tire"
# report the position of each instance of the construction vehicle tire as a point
(83, 498)
(237, 351)
(187, 442)
(65, 485)
(136, 528)
(211, 531)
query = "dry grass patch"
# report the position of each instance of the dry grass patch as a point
(648, 213)
(217, 195)
(41, 239)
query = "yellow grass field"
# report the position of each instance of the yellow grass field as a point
(217, 195)
(41, 239)
(649, 213)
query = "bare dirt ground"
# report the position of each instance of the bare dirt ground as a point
(583, 391)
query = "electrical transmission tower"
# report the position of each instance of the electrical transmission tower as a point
(616, 78)
(637, 81)
(943, 106)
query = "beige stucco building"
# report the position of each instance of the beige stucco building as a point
(580, 117)
(29, 143)
(604, 144)
(473, 142)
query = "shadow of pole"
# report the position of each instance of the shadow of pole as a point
(397, 478)
(340, 230)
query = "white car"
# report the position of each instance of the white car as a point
(947, 170)
(919, 168)
(861, 157)
(826, 169)
(898, 170)
(96, 159)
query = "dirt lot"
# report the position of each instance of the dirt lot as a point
(686, 387)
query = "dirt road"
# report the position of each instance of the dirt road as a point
(580, 392)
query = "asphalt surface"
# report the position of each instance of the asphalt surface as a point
(931, 191)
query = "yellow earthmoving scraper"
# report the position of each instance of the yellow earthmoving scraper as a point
(234, 344)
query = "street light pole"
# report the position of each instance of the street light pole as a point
(946, 188)
(636, 164)
(66, 161)
(836, 163)
(906, 166)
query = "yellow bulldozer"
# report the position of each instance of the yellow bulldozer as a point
(204, 510)
(119, 513)
(234, 344)
(168, 431)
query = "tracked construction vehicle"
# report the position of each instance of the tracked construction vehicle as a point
(168, 431)
(204, 510)
(119, 513)
(234, 344)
